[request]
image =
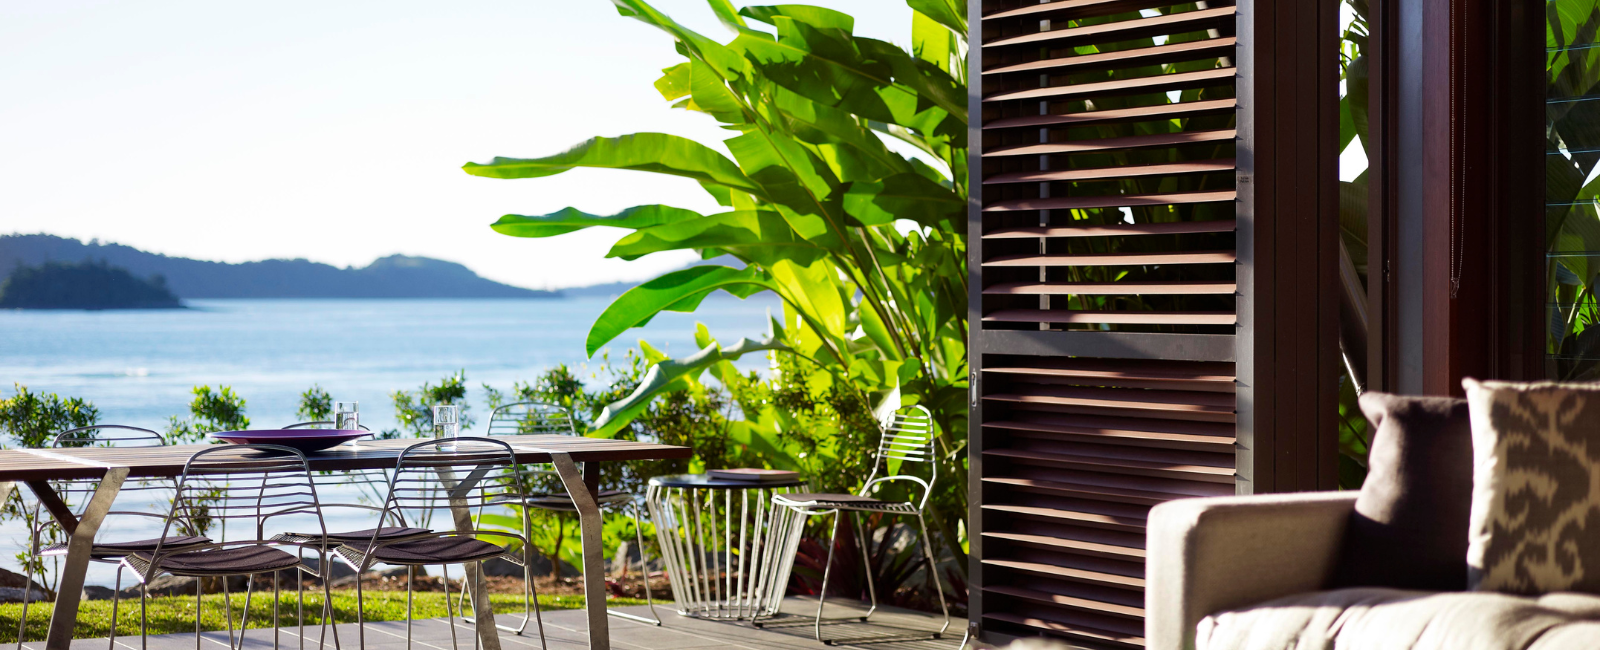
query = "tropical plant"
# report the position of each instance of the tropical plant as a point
(209, 412)
(32, 420)
(414, 409)
(316, 405)
(1353, 434)
(1572, 220)
(865, 245)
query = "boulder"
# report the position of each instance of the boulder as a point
(97, 592)
(17, 580)
(14, 595)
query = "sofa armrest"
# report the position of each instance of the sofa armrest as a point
(1207, 555)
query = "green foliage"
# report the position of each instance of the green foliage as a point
(1353, 434)
(31, 420)
(176, 614)
(414, 409)
(209, 412)
(1572, 220)
(865, 246)
(316, 405)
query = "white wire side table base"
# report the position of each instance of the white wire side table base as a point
(728, 551)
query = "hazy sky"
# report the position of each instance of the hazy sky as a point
(335, 131)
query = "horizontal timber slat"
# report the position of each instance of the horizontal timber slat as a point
(1123, 465)
(1083, 575)
(1111, 144)
(1091, 548)
(1065, 628)
(1113, 522)
(1115, 259)
(1153, 83)
(1067, 601)
(1112, 434)
(1081, 491)
(1097, 317)
(1136, 114)
(1124, 30)
(1203, 49)
(1081, 8)
(1193, 288)
(1113, 173)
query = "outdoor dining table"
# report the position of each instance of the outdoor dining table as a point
(36, 467)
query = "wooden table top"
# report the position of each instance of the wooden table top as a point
(44, 464)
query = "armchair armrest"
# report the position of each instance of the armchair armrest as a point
(1207, 555)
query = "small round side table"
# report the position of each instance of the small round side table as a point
(728, 551)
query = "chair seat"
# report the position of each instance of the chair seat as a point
(364, 535)
(242, 560)
(841, 501)
(119, 549)
(437, 550)
(563, 502)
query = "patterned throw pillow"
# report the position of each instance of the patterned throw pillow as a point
(1536, 487)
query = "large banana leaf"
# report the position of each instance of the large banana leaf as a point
(762, 237)
(668, 375)
(571, 219)
(677, 291)
(649, 152)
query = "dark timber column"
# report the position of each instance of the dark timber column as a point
(1153, 320)
(1288, 245)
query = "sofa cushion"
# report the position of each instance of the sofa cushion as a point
(1377, 618)
(1409, 527)
(1536, 487)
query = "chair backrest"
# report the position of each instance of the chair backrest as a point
(527, 418)
(77, 492)
(908, 437)
(243, 483)
(464, 475)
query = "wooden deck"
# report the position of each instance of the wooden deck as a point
(565, 630)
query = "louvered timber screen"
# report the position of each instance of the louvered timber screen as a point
(1106, 246)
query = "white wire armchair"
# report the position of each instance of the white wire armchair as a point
(908, 440)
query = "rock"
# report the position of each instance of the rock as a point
(17, 580)
(97, 592)
(337, 567)
(502, 567)
(14, 595)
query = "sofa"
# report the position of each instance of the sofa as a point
(1385, 567)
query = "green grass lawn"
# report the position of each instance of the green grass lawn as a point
(170, 614)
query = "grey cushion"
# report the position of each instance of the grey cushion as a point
(1409, 527)
(1375, 618)
(1535, 511)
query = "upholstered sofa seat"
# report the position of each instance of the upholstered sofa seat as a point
(1393, 619)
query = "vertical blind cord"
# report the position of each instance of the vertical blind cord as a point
(1458, 235)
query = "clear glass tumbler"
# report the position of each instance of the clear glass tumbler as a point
(347, 416)
(446, 425)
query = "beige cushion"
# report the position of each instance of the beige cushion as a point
(1374, 618)
(1535, 522)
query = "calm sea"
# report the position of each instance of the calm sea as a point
(138, 367)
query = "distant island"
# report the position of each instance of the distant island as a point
(395, 276)
(86, 285)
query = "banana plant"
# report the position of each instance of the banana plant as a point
(1572, 222)
(864, 244)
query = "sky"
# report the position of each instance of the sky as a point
(335, 131)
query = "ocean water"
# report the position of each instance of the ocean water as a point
(138, 367)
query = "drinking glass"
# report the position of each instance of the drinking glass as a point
(446, 425)
(347, 416)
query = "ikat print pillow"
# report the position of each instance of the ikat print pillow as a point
(1535, 519)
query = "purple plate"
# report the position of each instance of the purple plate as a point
(306, 440)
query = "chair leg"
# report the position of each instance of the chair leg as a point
(244, 616)
(827, 570)
(111, 642)
(27, 590)
(300, 611)
(865, 544)
(933, 570)
(328, 621)
(361, 615)
(411, 574)
(644, 563)
(448, 613)
(227, 608)
(277, 577)
(198, 582)
(531, 593)
(144, 630)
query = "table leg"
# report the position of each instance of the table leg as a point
(81, 541)
(583, 488)
(482, 610)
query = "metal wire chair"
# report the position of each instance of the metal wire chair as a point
(908, 438)
(244, 483)
(81, 491)
(456, 475)
(531, 418)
